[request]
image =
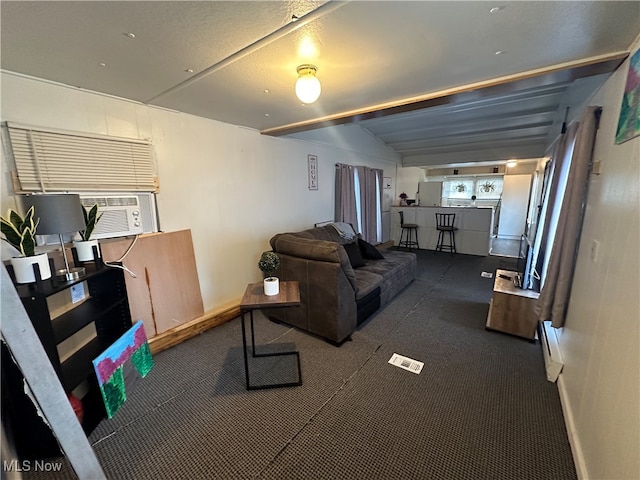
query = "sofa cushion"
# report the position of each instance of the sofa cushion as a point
(366, 282)
(397, 270)
(355, 257)
(369, 251)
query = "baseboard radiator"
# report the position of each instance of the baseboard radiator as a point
(551, 351)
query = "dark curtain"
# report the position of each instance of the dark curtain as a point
(345, 206)
(371, 202)
(359, 200)
(563, 214)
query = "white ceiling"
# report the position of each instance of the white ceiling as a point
(421, 76)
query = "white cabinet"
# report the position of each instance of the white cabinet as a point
(430, 193)
(474, 227)
(513, 208)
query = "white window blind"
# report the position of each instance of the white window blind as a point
(49, 160)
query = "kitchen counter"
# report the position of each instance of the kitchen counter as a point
(474, 225)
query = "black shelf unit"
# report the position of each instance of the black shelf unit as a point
(107, 308)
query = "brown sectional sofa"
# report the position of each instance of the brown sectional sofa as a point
(335, 296)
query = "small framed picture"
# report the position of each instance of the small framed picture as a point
(387, 182)
(312, 164)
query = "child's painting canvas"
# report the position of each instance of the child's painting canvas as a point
(629, 121)
(132, 347)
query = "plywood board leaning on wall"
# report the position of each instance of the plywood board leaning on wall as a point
(166, 291)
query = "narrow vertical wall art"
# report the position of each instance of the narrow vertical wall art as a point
(113, 367)
(629, 121)
(312, 164)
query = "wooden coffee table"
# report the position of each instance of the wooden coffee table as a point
(255, 299)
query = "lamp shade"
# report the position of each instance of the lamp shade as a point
(308, 87)
(58, 212)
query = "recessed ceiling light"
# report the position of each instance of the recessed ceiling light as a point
(103, 64)
(189, 70)
(499, 52)
(512, 163)
(266, 90)
(495, 9)
(130, 35)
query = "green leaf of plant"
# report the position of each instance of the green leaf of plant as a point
(15, 219)
(93, 213)
(10, 233)
(91, 218)
(28, 244)
(28, 219)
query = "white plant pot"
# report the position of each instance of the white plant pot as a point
(271, 286)
(23, 268)
(84, 249)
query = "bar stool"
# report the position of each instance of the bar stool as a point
(444, 224)
(411, 229)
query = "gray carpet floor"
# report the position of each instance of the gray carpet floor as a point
(480, 409)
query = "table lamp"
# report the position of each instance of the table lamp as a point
(59, 213)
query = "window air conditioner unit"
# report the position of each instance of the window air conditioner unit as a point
(121, 215)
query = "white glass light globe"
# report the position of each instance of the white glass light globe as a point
(308, 87)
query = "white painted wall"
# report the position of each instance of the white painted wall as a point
(600, 343)
(407, 182)
(233, 187)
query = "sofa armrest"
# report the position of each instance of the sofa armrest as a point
(316, 250)
(327, 298)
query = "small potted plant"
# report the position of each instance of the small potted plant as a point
(84, 247)
(20, 233)
(269, 263)
(403, 198)
(487, 187)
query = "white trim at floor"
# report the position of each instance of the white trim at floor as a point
(574, 441)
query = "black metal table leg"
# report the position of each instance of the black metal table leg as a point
(244, 349)
(262, 355)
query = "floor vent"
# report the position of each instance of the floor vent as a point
(407, 363)
(551, 351)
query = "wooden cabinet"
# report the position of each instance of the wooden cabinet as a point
(511, 309)
(99, 307)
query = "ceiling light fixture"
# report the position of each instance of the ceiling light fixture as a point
(307, 86)
(512, 163)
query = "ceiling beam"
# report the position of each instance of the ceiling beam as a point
(490, 124)
(526, 132)
(566, 72)
(514, 102)
(493, 154)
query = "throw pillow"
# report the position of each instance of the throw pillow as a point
(355, 257)
(369, 251)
